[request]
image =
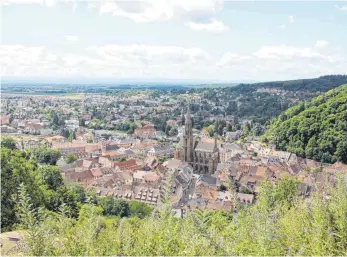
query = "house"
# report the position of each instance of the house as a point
(7, 129)
(33, 128)
(4, 119)
(207, 181)
(123, 192)
(222, 173)
(70, 148)
(173, 164)
(245, 198)
(55, 139)
(204, 133)
(145, 132)
(228, 151)
(253, 182)
(31, 143)
(96, 173)
(171, 123)
(161, 151)
(46, 131)
(182, 183)
(160, 134)
(124, 177)
(105, 161)
(230, 136)
(83, 176)
(110, 147)
(72, 124)
(141, 176)
(126, 165)
(147, 195)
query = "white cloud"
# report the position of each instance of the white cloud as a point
(289, 52)
(321, 44)
(71, 38)
(291, 20)
(150, 54)
(232, 59)
(197, 14)
(92, 6)
(282, 27)
(143, 11)
(169, 62)
(48, 3)
(341, 8)
(213, 26)
(108, 60)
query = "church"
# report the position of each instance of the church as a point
(201, 154)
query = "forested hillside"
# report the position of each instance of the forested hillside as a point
(316, 129)
(322, 84)
(260, 102)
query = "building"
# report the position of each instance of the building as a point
(200, 154)
(70, 148)
(145, 132)
(72, 124)
(165, 150)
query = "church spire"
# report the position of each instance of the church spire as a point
(188, 138)
(188, 114)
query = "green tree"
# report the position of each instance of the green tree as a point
(50, 176)
(139, 210)
(46, 156)
(79, 192)
(30, 219)
(8, 142)
(114, 207)
(70, 158)
(167, 130)
(16, 169)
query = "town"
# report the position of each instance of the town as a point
(141, 146)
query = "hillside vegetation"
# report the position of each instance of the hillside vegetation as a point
(279, 224)
(322, 84)
(250, 101)
(316, 129)
(45, 186)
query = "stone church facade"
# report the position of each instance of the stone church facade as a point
(200, 153)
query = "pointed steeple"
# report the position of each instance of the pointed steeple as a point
(188, 114)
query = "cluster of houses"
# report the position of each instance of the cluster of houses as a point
(148, 164)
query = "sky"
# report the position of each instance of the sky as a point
(205, 40)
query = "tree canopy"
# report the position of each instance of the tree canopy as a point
(316, 129)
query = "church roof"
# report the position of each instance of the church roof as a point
(205, 147)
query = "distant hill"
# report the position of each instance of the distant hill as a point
(316, 129)
(214, 85)
(321, 84)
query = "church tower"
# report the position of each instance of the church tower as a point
(188, 139)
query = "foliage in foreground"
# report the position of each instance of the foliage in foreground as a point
(47, 190)
(315, 130)
(280, 223)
